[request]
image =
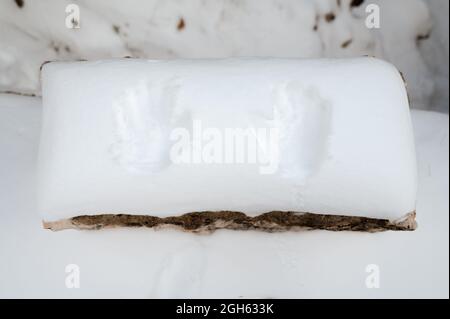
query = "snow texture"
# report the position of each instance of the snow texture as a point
(413, 35)
(107, 126)
(145, 263)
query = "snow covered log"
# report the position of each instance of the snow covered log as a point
(269, 144)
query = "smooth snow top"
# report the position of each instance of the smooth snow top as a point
(331, 136)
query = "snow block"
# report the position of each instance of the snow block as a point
(254, 136)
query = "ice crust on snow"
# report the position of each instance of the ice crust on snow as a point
(226, 28)
(345, 139)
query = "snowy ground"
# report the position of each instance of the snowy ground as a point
(146, 263)
(413, 35)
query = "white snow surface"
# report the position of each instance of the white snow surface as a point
(36, 32)
(335, 130)
(145, 263)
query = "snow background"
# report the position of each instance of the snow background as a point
(148, 263)
(144, 263)
(36, 32)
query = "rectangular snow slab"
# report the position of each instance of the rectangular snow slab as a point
(269, 144)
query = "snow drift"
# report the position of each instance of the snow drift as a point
(111, 142)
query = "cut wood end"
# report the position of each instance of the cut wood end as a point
(58, 225)
(201, 222)
(407, 222)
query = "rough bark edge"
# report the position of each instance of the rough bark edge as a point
(275, 221)
(29, 94)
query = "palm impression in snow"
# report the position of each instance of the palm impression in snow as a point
(269, 144)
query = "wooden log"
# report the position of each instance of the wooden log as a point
(275, 221)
